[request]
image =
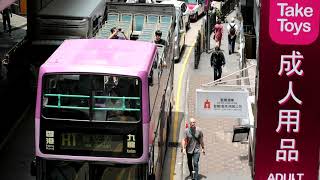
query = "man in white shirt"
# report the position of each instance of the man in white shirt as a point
(232, 35)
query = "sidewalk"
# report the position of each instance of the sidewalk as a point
(7, 101)
(223, 160)
(19, 27)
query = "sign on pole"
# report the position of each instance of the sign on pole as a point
(288, 125)
(215, 103)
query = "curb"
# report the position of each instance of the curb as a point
(184, 122)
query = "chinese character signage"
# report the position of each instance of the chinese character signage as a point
(288, 125)
(131, 143)
(49, 140)
(214, 103)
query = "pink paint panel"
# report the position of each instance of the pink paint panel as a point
(294, 22)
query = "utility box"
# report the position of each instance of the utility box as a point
(250, 46)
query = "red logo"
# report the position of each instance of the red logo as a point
(207, 104)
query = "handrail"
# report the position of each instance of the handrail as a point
(123, 98)
(231, 80)
(218, 80)
(66, 95)
(87, 108)
(222, 84)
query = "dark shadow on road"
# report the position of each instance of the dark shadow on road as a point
(201, 176)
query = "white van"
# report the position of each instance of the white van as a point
(197, 8)
(182, 23)
(71, 19)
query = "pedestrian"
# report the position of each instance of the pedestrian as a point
(192, 140)
(232, 35)
(212, 6)
(218, 30)
(158, 39)
(117, 34)
(6, 20)
(217, 60)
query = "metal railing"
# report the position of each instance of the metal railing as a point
(60, 106)
(222, 82)
(248, 29)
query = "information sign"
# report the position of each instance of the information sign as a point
(219, 103)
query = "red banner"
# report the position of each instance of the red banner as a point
(288, 119)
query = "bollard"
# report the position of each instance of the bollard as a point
(198, 46)
(197, 51)
(196, 55)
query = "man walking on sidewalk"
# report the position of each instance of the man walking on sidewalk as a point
(232, 35)
(6, 20)
(217, 60)
(193, 138)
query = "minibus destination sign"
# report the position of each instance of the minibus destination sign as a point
(88, 143)
(93, 142)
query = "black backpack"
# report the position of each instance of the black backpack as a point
(232, 31)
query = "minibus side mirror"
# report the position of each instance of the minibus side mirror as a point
(181, 31)
(150, 80)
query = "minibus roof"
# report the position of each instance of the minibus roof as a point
(94, 55)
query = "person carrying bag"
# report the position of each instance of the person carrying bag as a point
(192, 144)
(232, 35)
